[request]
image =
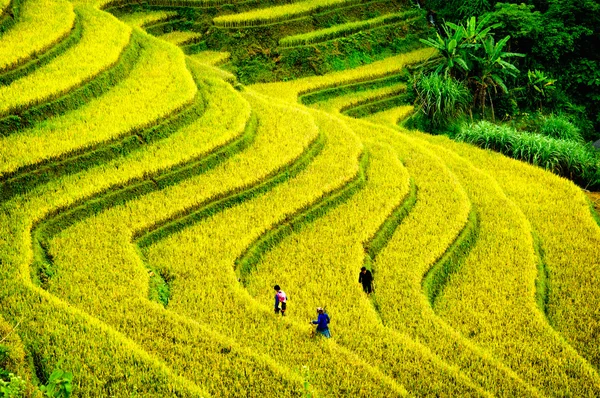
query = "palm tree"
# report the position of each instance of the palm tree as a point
(493, 69)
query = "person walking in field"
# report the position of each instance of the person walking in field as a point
(322, 323)
(366, 278)
(280, 300)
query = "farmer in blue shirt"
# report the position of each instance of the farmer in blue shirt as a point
(322, 323)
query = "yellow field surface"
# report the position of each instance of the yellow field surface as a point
(391, 117)
(41, 25)
(77, 65)
(152, 91)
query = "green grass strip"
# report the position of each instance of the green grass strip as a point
(21, 71)
(377, 106)
(542, 282)
(89, 90)
(245, 264)
(227, 200)
(61, 219)
(27, 178)
(349, 28)
(329, 93)
(439, 274)
(383, 235)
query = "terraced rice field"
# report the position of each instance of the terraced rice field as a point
(149, 203)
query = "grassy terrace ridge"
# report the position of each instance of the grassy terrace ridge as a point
(565, 254)
(42, 24)
(154, 91)
(213, 58)
(290, 91)
(144, 18)
(64, 73)
(345, 29)
(345, 103)
(180, 38)
(264, 144)
(277, 13)
(478, 309)
(77, 186)
(391, 117)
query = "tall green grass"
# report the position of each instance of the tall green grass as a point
(566, 158)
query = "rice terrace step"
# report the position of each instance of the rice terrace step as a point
(164, 164)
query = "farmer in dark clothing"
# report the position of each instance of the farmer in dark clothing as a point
(366, 278)
(322, 323)
(280, 299)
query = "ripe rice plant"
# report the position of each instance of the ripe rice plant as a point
(331, 250)
(146, 18)
(223, 240)
(349, 28)
(42, 24)
(154, 90)
(73, 68)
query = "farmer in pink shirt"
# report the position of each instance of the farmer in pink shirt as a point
(280, 298)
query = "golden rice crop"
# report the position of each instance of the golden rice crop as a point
(75, 66)
(320, 35)
(568, 238)
(249, 321)
(41, 25)
(416, 244)
(192, 356)
(277, 13)
(152, 91)
(290, 91)
(329, 253)
(179, 37)
(144, 18)
(492, 299)
(225, 117)
(391, 117)
(348, 101)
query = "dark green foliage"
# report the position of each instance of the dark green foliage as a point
(569, 159)
(561, 128)
(160, 286)
(59, 385)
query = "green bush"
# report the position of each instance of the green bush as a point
(567, 158)
(561, 128)
(441, 99)
(13, 387)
